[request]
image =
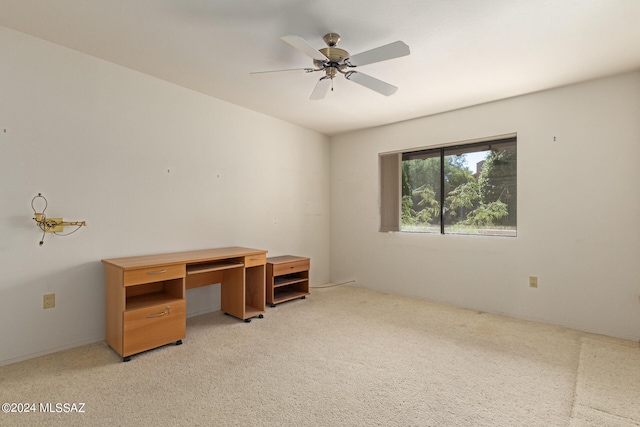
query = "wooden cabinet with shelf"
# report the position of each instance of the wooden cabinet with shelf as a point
(287, 279)
(146, 295)
(145, 308)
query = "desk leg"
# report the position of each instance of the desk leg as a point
(232, 292)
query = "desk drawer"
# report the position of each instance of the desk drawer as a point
(154, 274)
(154, 326)
(253, 260)
(290, 267)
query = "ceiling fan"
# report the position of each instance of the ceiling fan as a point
(332, 60)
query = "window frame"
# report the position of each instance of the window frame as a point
(390, 169)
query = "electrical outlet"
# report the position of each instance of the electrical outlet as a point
(533, 281)
(49, 301)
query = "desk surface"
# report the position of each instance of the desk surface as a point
(181, 257)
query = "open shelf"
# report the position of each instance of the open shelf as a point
(154, 293)
(286, 281)
(250, 312)
(288, 295)
(148, 300)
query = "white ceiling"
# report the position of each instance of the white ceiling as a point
(463, 52)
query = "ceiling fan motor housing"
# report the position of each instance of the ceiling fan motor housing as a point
(335, 54)
(336, 57)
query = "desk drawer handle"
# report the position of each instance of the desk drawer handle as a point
(151, 316)
(255, 259)
(157, 272)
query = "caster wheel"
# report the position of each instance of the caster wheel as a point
(126, 359)
(273, 305)
(247, 320)
(260, 316)
(179, 342)
(226, 314)
(304, 297)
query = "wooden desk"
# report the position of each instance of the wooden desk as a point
(146, 300)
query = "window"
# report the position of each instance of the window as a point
(461, 189)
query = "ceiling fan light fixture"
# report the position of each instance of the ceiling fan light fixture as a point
(331, 72)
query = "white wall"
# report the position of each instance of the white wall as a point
(578, 212)
(152, 168)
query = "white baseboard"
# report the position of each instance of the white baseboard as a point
(49, 351)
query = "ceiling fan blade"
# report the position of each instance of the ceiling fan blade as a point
(321, 89)
(303, 46)
(259, 74)
(382, 53)
(371, 83)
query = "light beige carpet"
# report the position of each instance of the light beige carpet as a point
(343, 357)
(608, 385)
